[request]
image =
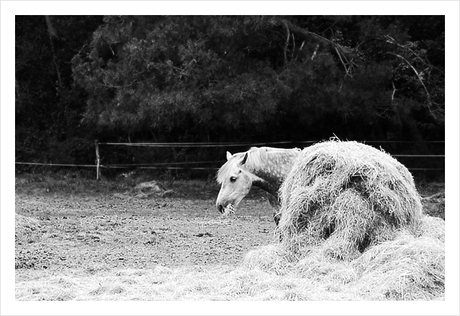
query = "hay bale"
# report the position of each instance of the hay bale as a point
(346, 196)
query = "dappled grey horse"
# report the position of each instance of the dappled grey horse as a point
(264, 167)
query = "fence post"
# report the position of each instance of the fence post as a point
(98, 170)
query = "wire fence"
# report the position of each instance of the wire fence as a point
(241, 144)
(208, 164)
(145, 166)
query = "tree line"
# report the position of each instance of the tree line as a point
(223, 78)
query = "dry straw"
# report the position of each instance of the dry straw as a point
(346, 197)
(408, 267)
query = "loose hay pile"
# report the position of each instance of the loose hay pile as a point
(345, 197)
(406, 268)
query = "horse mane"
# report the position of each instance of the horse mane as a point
(256, 157)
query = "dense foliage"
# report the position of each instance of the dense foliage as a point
(224, 78)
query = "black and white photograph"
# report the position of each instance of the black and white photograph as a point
(166, 156)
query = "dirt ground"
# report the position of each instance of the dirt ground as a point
(58, 230)
(105, 231)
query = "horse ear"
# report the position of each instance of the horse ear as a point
(243, 161)
(229, 155)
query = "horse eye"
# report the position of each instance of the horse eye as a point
(232, 179)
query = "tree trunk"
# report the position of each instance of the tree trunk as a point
(52, 33)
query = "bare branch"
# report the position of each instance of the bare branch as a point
(293, 45)
(394, 90)
(314, 52)
(51, 29)
(287, 42)
(340, 50)
(390, 40)
(347, 72)
(419, 78)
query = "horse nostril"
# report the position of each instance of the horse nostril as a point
(220, 208)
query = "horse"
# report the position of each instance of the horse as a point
(264, 167)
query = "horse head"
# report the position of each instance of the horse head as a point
(236, 182)
(264, 167)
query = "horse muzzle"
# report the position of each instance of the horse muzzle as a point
(227, 209)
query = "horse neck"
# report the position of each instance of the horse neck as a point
(271, 170)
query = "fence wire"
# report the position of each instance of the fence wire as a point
(191, 165)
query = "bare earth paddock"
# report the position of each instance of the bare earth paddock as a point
(83, 240)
